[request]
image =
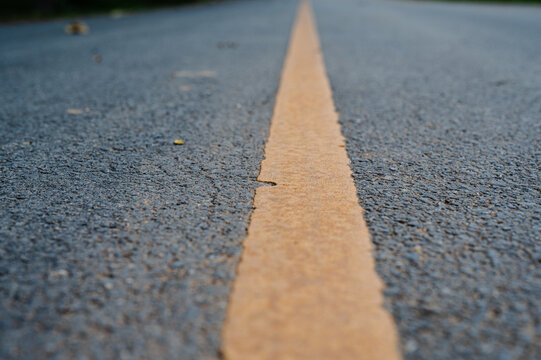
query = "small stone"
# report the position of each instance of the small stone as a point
(411, 346)
(58, 274)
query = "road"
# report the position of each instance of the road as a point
(115, 243)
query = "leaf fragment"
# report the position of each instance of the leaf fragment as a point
(76, 28)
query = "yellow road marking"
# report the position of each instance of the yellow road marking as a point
(306, 286)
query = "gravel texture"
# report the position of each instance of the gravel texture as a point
(114, 242)
(441, 108)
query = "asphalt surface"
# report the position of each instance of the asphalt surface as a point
(441, 108)
(116, 243)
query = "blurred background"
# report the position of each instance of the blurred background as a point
(17, 10)
(20, 10)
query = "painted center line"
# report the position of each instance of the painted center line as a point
(306, 287)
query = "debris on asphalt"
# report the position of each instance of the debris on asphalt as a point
(96, 58)
(74, 111)
(227, 45)
(108, 285)
(76, 28)
(178, 142)
(58, 274)
(193, 74)
(117, 14)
